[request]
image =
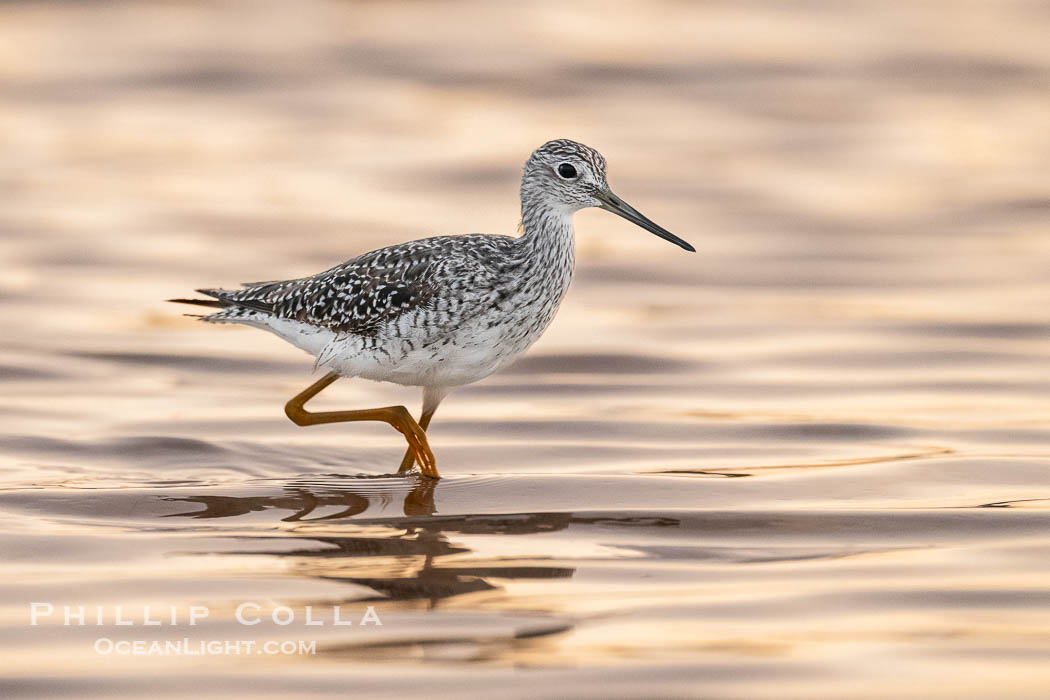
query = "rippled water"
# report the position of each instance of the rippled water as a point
(811, 460)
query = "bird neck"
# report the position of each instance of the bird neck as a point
(547, 233)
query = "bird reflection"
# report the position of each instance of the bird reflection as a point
(399, 558)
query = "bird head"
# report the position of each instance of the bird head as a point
(568, 176)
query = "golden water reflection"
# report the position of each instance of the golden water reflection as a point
(809, 461)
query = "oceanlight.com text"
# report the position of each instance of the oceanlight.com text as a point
(205, 647)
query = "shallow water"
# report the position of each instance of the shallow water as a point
(811, 460)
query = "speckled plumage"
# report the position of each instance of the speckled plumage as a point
(440, 311)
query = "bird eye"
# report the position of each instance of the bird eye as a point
(567, 171)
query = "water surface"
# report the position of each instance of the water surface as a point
(811, 460)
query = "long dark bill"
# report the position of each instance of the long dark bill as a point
(611, 202)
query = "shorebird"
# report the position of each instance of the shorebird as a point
(440, 312)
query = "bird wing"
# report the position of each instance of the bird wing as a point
(361, 295)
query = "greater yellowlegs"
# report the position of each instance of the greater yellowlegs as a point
(440, 312)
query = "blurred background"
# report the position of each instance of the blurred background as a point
(862, 334)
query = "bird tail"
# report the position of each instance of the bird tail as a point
(214, 303)
(247, 311)
(217, 302)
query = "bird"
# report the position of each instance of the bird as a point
(436, 313)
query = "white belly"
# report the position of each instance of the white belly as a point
(468, 354)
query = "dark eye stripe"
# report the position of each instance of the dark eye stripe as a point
(567, 171)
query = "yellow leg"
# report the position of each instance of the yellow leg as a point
(397, 416)
(410, 458)
(432, 396)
